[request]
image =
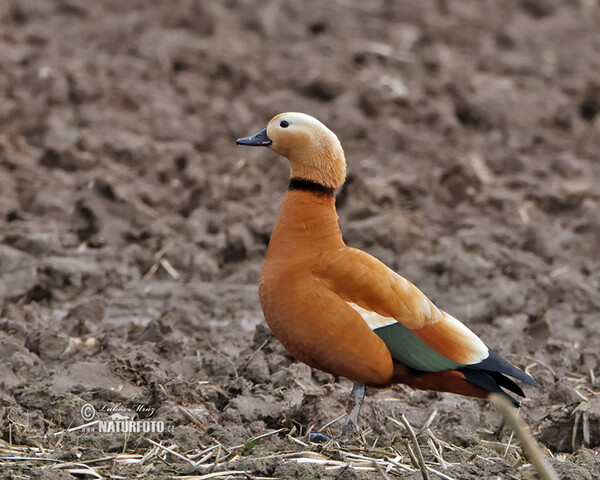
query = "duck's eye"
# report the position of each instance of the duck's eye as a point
(284, 124)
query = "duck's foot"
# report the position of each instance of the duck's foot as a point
(318, 437)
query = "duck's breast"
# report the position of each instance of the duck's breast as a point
(319, 328)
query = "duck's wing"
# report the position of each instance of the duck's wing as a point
(417, 333)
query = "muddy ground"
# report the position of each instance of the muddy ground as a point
(132, 230)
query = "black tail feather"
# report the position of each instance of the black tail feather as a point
(507, 383)
(489, 374)
(487, 382)
(495, 363)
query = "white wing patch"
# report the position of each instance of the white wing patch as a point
(479, 349)
(374, 320)
(426, 307)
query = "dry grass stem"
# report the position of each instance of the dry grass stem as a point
(193, 419)
(420, 459)
(170, 269)
(380, 470)
(332, 422)
(528, 444)
(172, 452)
(206, 476)
(437, 453)
(428, 422)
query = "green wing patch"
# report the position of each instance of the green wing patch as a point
(409, 349)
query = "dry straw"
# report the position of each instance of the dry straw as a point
(528, 444)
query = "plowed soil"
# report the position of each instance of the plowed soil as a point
(132, 230)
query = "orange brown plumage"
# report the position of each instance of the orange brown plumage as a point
(343, 311)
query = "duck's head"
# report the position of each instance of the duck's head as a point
(314, 152)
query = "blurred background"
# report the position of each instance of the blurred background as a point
(132, 230)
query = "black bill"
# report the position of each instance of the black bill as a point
(258, 140)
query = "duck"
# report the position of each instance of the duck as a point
(340, 310)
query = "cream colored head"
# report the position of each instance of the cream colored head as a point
(314, 151)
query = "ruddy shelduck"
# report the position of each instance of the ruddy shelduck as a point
(339, 309)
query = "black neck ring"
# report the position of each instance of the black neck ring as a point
(309, 186)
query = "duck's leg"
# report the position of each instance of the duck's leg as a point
(358, 395)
